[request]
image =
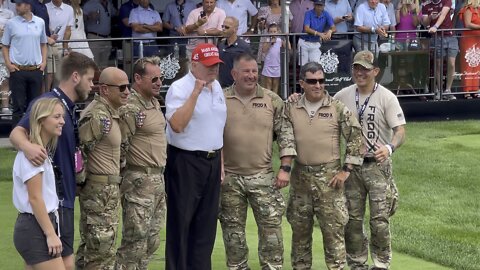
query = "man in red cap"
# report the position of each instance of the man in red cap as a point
(196, 115)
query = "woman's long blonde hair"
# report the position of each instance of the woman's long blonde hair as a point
(76, 7)
(414, 3)
(41, 109)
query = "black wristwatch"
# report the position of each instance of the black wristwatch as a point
(286, 168)
(345, 168)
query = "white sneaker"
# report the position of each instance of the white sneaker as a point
(6, 111)
(448, 95)
(436, 96)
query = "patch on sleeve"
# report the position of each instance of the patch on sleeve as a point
(400, 116)
(140, 119)
(106, 125)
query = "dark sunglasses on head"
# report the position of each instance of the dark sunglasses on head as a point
(226, 27)
(122, 87)
(314, 81)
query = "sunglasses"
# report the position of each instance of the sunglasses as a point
(226, 27)
(122, 87)
(314, 81)
(155, 79)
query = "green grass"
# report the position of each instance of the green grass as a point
(438, 219)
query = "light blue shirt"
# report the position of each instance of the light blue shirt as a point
(24, 38)
(339, 9)
(368, 17)
(146, 16)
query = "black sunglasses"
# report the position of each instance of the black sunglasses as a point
(226, 27)
(314, 81)
(122, 87)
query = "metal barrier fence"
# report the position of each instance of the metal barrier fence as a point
(407, 66)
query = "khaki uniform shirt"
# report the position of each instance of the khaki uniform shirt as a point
(382, 113)
(143, 125)
(317, 136)
(100, 138)
(249, 132)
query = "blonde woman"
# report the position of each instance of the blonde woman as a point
(470, 15)
(78, 31)
(36, 235)
(407, 15)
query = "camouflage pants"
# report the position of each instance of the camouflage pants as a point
(144, 208)
(311, 196)
(99, 217)
(377, 182)
(268, 207)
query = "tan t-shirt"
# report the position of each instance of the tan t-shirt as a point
(249, 132)
(317, 134)
(100, 138)
(382, 113)
(143, 124)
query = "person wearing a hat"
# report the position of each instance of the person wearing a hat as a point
(25, 52)
(383, 129)
(196, 113)
(319, 26)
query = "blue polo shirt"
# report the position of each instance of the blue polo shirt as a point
(317, 23)
(24, 38)
(64, 155)
(40, 10)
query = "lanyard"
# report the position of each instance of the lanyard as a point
(71, 113)
(361, 110)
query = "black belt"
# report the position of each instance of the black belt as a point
(340, 37)
(198, 153)
(96, 34)
(369, 160)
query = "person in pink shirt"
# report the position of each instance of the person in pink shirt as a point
(407, 13)
(204, 21)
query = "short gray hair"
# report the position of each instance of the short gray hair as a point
(311, 67)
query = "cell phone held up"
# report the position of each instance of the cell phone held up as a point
(57, 29)
(202, 14)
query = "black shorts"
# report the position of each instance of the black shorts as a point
(67, 230)
(29, 239)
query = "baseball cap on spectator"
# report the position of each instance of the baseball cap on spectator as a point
(22, 1)
(365, 59)
(319, 2)
(207, 54)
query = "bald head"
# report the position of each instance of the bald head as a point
(114, 86)
(110, 75)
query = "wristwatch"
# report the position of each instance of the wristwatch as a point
(286, 168)
(345, 168)
(373, 29)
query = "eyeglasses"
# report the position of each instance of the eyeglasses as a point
(155, 79)
(314, 81)
(360, 68)
(226, 27)
(122, 87)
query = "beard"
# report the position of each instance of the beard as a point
(81, 94)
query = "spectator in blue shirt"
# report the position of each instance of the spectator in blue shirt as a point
(174, 19)
(319, 26)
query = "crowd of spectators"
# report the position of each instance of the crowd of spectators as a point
(374, 22)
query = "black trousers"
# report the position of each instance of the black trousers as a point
(193, 188)
(24, 87)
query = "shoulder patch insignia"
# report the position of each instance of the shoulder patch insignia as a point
(106, 125)
(140, 119)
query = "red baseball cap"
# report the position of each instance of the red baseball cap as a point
(207, 54)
